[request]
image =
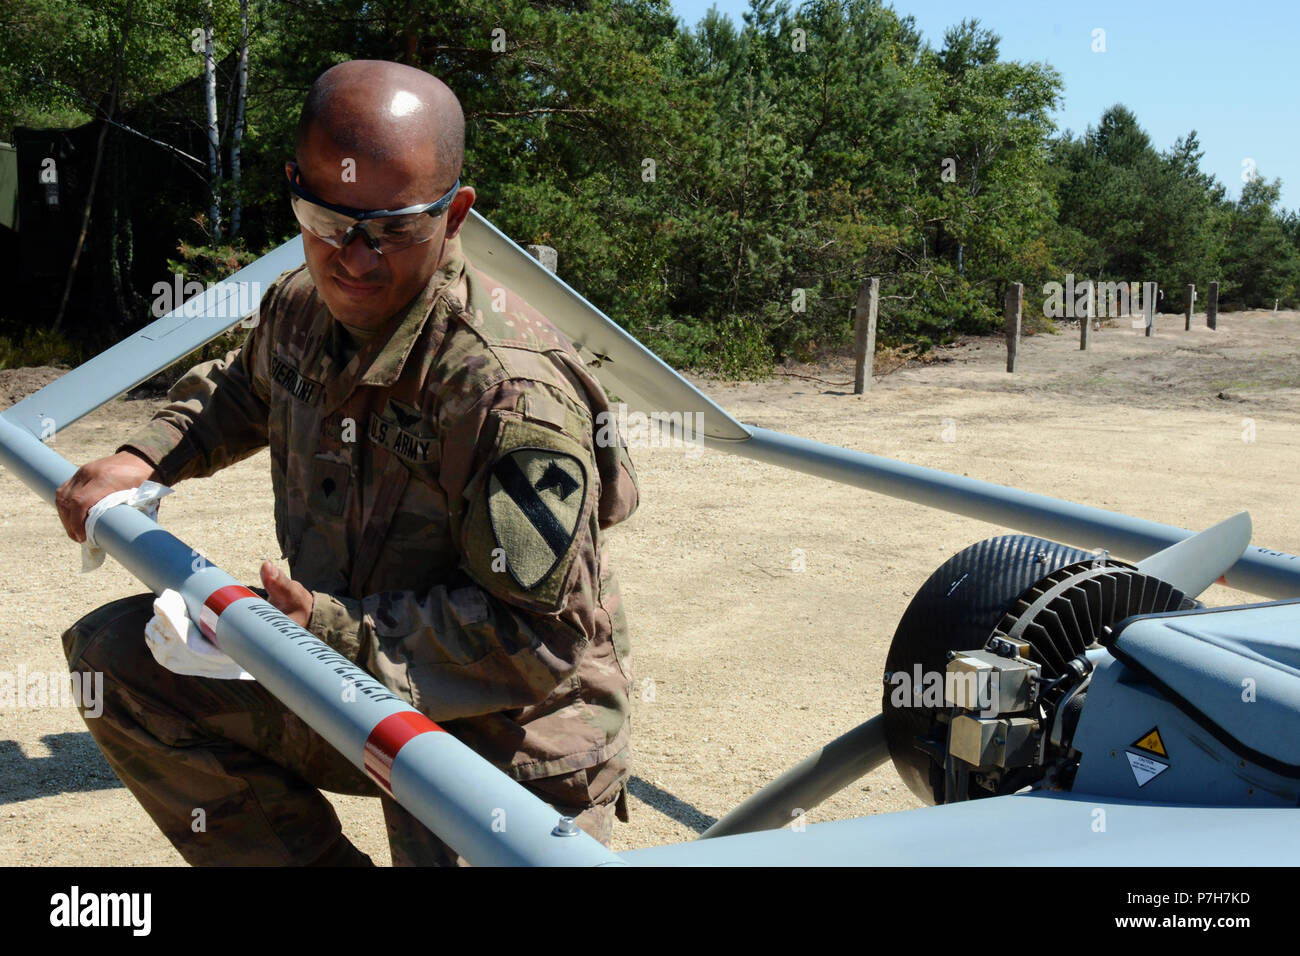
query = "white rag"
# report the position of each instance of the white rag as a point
(145, 498)
(178, 645)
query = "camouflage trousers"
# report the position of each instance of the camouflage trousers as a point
(232, 777)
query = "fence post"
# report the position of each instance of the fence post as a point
(546, 255)
(1014, 304)
(1085, 320)
(1149, 306)
(1191, 305)
(864, 334)
(1212, 307)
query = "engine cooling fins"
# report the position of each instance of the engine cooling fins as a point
(1066, 612)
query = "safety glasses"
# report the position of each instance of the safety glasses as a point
(384, 230)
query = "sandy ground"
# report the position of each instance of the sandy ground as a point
(744, 664)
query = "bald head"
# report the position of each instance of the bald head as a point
(385, 110)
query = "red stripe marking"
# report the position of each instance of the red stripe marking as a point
(388, 737)
(217, 602)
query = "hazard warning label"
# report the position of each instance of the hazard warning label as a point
(1151, 743)
(1144, 768)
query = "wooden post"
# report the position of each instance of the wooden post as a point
(1015, 301)
(1149, 305)
(546, 255)
(1190, 298)
(864, 334)
(1212, 307)
(1085, 320)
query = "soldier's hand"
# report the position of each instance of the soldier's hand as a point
(292, 599)
(92, 482)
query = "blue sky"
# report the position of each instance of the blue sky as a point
(1230, 71)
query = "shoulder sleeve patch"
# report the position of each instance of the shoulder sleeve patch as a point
(535, 501)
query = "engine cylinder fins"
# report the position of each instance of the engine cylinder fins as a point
(957, 608)
(1062, 615)
(1053, 597)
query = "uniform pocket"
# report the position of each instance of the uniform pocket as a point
(611, 601)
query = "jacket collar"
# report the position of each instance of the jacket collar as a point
(386, 366)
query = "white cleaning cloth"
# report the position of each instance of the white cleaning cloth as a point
(145, 498)
(178, 645)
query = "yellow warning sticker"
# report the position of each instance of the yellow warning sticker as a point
(1151, 743)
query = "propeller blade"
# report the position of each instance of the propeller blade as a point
(1195, 563)
(809, 782)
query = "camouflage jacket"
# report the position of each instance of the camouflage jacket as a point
(444, 496)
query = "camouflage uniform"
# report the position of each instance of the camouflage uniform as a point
(443, 495)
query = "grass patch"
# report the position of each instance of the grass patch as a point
(38, 347)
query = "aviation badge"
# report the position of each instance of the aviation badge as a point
(535, 501)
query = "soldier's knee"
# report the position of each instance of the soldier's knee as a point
(108, 637)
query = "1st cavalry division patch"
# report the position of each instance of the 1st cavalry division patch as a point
(535, 499)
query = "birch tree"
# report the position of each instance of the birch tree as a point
(214, 132)
(237, 135)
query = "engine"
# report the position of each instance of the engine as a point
(1025, 663)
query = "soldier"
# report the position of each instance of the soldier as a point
(440, 497)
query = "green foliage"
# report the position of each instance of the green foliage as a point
(1131, 213)
(1260, 260)
(734, 347)
(34, 347)
(58, 57)
(721, 189)
(936, 311)
(209, 264)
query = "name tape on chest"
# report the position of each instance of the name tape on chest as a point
(293, 381)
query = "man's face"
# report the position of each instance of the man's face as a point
(357, 284)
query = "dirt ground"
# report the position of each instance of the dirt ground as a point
(744, 664)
